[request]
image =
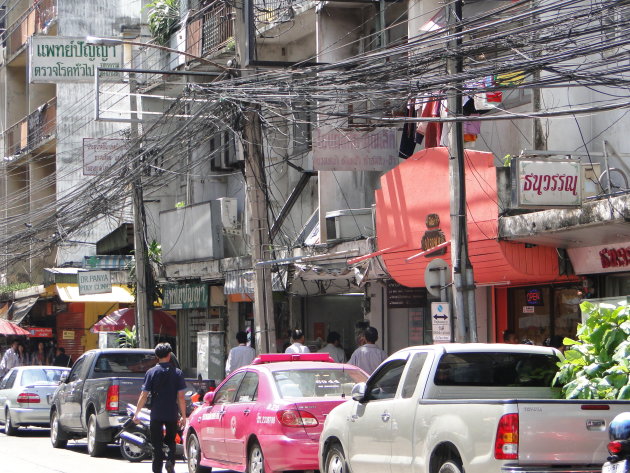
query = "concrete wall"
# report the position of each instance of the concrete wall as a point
(75, 109)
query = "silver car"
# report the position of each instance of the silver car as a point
(25, 394)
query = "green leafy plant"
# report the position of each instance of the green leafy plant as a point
(596, 366)
(128, 337)
(163, 18)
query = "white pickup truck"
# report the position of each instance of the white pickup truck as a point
(466, 408)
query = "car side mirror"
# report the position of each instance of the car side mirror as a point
(208, 397)
(64, 377)
(358, 392)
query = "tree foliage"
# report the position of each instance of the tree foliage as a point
(597, 365)
(128, 338)
(163, 18)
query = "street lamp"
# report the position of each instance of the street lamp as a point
(120, 41)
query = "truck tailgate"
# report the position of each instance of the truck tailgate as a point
(129, 391)
(570, 432)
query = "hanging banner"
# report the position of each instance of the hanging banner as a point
(57, 59)
(354, 150)
(100, 154)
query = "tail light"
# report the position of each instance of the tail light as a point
(619, 447)
(28, 398)
(506, 443)
(295, 418)
(111, 404)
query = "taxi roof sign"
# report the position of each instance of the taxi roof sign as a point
(278, 357)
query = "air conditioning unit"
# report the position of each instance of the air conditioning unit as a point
(349, 224)
(226, 153)
(590, 180)
(229, 214)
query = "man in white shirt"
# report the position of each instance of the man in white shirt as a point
(10, 358)
(240, 355)
(297, 338)
(368, 356)
(333, 348)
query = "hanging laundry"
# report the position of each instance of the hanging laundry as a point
(432, 130)
(408, 138)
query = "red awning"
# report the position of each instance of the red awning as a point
(9, 328)
(413, 214)
(120, 319)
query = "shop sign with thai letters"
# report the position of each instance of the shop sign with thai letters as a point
(611, 258)
(57, 59)
(185, 296)
(546, 183)
(354, 150)
(100, 154)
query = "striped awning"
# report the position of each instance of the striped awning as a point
(119, 262)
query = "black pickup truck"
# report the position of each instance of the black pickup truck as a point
(91, 402)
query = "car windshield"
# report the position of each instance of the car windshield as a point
(121, 364)
(41, 376)
(316, 382)
(496, 369)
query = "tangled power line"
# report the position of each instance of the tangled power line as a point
(527, 44)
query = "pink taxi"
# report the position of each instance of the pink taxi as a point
(268, 416)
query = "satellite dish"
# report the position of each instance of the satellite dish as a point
(432, 275)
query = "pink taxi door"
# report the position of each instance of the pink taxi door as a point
(240, 419)
(213, 423)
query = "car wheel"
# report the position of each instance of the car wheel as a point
(336, 460)
(132, 452)
(9, 427)
(94, 447)
(193, 455)
(255, 459)
(451, 466)
(57, 435)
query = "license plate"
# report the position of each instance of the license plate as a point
(617, 467)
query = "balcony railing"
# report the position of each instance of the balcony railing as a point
(210, 29)
(33, 21)
(267, 12)
(29, 133)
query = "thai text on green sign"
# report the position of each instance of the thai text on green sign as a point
(185, 296)
(58, 59)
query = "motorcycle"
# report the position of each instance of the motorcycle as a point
(135, 439)
(619, 445)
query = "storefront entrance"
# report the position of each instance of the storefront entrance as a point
(539, 312)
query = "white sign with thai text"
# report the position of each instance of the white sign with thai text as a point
(548, 183)
(94, 282)
(612, 258)
(100, 154)
(57, 59)
(353, 150)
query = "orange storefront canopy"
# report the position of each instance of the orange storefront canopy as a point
(413, 215)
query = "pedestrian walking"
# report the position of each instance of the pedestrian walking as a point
(61, 359)
(23, 357)
(10, 359)
(166, 385)
(333, 348)
(297, 340)
(40, 357)
(368, 356)
(240, 355)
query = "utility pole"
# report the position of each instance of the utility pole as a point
(259, 232)
(255, 179)
(143, 307)
(464, 310)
